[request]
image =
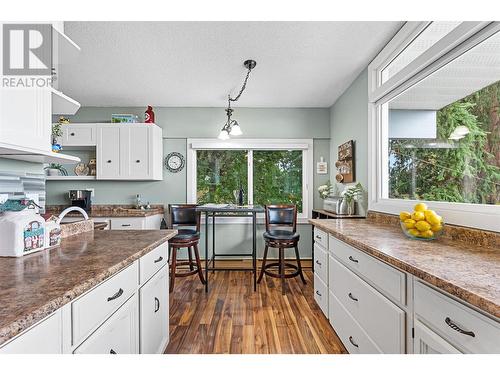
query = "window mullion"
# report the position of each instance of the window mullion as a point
(250, 176)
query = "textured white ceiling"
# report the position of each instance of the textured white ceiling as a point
(477, 68)
(299, 64)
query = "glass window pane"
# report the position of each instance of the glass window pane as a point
(277, 177)
(219, 173)
(444, 132)
(434, 32)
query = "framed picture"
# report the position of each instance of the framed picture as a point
(345, 163)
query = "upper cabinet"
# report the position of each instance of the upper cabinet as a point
(123, 151)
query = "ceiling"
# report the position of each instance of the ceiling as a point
(196, 64)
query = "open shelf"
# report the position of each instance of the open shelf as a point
(35, 156)
(63, 104)
(70, 178)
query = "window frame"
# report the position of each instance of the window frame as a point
(465, 37)
(306, 145)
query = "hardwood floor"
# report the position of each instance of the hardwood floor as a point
(232, 318)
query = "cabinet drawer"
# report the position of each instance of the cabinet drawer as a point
(321, 263)
(448, 316)
(381, 319)
(321, 294)
(388, 279)
(127, 223)
(94, 307)
(79, 135)
(118, 335)
(44, 338)
(150, 263)
(321, 238)
(355, 340)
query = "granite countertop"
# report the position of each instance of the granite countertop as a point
(109, 211)
(468, 271)
(33, 286)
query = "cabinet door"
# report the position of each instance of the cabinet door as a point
(109, 144)
(43, 338)
(138, 155)
(154, 330)
(78, 135)
(428, 342)
(117, 335)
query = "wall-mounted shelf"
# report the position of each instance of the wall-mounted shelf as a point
(70, 178)
(35, 156)
(63, 104)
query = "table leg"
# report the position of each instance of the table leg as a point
(206, 252)
(213, 242)
(254, 250)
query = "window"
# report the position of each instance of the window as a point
(435, 137)
(269, 171)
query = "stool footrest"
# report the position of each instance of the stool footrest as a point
(286, 275)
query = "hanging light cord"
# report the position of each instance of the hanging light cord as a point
(242, 89)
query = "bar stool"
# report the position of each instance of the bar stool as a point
(281, 216)
(184, 215)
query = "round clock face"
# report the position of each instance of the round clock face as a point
(174, 162)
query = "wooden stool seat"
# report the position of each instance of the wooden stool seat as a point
(184, 215)
(281, 215)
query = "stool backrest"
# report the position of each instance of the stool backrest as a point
(281, 215)
(184, 215)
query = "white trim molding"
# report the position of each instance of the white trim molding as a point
(306, 145)
(460, 40)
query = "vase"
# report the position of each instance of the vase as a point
(53, 172)
(350, 207)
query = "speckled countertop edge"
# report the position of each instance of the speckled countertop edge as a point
(24, 322)
(466, 295)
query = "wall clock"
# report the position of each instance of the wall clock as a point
(174, 162)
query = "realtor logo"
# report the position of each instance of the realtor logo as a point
(27, 49)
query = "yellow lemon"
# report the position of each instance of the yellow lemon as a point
(437, 227)
(426, 234)
(432, 217)
(418, 215)
(409, 223)
(404, 215)
(420, 207)
(414, 232)
(423, 226)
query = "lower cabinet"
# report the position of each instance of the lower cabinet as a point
(427, 341)
(118, 335)
(154, 321)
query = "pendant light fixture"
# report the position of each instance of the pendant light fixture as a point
(231, 127)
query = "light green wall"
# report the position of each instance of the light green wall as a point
(178, 124)
(349, 120)
(11, 165)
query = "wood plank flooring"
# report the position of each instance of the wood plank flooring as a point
(232, 318)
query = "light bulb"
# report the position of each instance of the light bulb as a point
(236, 130)
(223, 134)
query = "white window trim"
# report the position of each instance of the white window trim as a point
(460, 40)
(306, 145)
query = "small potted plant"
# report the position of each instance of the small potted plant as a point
(350, 195)
(54, 169)
(56, 133)
(325, 190)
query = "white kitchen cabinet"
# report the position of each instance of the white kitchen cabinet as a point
(128, 223)
(43, 338)
(427, 341)
(118, 335)
(154, 321)
(78, 135)
(129, 152)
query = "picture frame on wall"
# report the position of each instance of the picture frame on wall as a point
(345, 163)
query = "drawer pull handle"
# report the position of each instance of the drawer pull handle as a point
(125, 225)
(352, 259)
(109, 161)
(352, 297)
(157, 304)
(318, 293)
(72, 134)
(116, 295)
(352, 342)
(137, 161)
(112, 352)
(159, 259)
(451, 324)
(318, 263)
(318, 237)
